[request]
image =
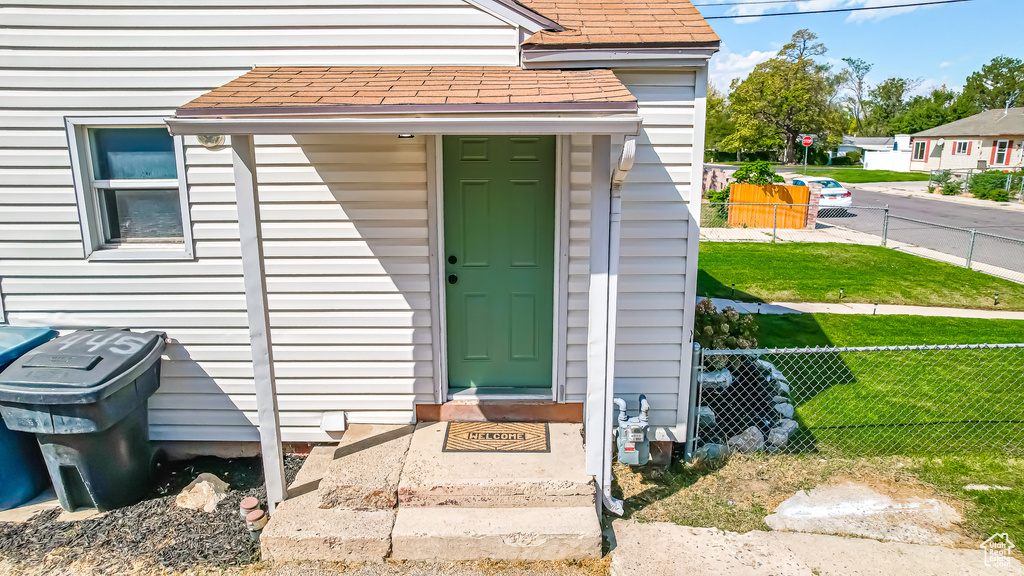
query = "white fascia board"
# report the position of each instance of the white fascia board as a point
(550, 58)
(619, 124)
(516, 15)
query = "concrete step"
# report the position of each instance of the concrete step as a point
(451, 534)
(556, 479)
(301, 531)
(364, 470)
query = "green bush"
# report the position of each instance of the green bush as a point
(716, 214)
(990, 185)
(759, 172)
(854, 156)
(723, 330)
(841, 161)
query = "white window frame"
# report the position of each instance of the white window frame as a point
(1006, 152)
(89, 213)
(965, 144)
(924, 151)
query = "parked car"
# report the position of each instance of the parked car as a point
(835, 199)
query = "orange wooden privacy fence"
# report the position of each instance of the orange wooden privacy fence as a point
(748, 205)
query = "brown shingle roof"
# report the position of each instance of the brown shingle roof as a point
(326, 89)
(621, 22)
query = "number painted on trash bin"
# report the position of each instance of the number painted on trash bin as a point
(128, 345)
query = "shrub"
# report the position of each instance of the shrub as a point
(726, 329)
(990, 185)
(841, 161)
(854, 156)
(759, 172)
(717, 213)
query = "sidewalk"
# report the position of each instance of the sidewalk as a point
(860, 308)
(663, 549)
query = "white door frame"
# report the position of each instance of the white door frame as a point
(435, 236)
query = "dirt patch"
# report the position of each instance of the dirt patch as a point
(740, 495)
(153, 536)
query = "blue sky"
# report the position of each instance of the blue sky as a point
(939, 44)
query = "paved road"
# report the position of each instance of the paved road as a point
(986, 249)
(991, 220)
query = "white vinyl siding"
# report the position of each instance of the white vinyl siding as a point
(580, 160)
(345, 232)
(143, 58)
(651, 337)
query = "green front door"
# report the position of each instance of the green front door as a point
(499, 233)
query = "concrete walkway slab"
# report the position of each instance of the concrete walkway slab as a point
(663, 549)
(858, 510)
(496, 480)
(862, 308)
(365, 469)
(496, 534)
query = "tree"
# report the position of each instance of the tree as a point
(719, 119)
(784, 97)
(924, 112)
(998, 83)
(854, 81)
(885, 102)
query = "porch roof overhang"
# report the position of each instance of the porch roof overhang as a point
(436, 100)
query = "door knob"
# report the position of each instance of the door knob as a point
(452, 259)
(452, 278)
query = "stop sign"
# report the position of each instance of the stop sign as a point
(807, 141)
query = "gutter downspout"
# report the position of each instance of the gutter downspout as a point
(624, 165)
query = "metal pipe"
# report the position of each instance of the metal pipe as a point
(645, 407)
(970, 249)
(885, 225)
(691, 409)
(621, 405)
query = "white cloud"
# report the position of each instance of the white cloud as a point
(727, 66)
(945, 65)
(876, 15)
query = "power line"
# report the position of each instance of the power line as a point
(757, 2)
(831, 11)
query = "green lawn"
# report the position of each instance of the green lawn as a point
(855, 403)
(860, 176)
(801, 330)
(793, 272)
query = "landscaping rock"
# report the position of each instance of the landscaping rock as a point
(984, 487)
(717, 380)
(748, 442)
(779, 436)
(776, 375)
(711, 456)
(786, 410)
(705, 416)
(204, 493)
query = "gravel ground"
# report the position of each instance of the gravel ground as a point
(153, 536)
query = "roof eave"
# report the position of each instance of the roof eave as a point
(596, 107)
(563, 56)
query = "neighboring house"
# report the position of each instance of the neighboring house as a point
(861, 144)
(893, 154)
(362, 208)
(987, 141)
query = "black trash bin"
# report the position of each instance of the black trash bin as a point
(84, 396)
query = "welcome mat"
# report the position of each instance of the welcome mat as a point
(497, 437)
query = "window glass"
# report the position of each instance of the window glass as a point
(919, 150)
(961, 147)
(1001, 152)
(132, 153)
(799, 183)
(141, 215)
(830, 184)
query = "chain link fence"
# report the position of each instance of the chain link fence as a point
(869, 225)
(994, 185)
(860, 401)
